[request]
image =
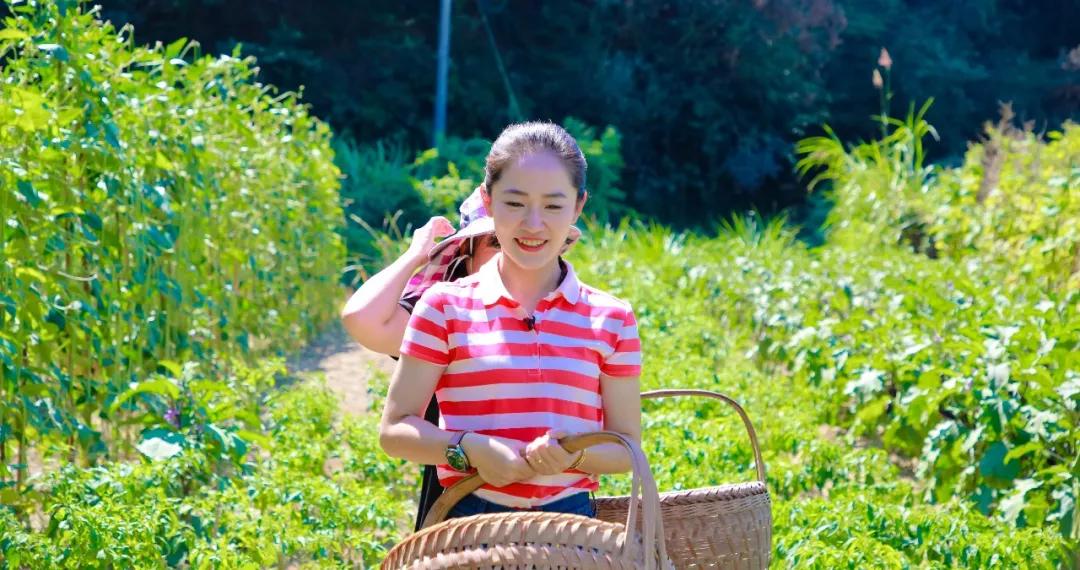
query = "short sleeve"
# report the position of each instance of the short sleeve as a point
(425, 334)
(625, 360)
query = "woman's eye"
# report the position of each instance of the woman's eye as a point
(554, 207)
(515, 204)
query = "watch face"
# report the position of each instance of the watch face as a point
(455, 456)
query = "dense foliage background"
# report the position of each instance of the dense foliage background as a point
(708, 96)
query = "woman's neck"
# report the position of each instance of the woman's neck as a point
(528, 286)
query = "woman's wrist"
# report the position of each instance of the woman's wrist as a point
(469, 443)
(415, 258)
(576, 464)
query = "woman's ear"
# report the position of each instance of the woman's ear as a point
(485, 195)
(580, 206)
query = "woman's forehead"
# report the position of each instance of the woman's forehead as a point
(542, 160)
(540, 173)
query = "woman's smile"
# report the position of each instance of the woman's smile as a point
(530, 245)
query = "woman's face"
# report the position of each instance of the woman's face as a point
(533, 204)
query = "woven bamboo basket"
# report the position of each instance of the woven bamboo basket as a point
(537, 539)
(727, 526)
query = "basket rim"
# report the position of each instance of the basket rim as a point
(741, 490)
(501, 518)
(525, 514)
(447, 559)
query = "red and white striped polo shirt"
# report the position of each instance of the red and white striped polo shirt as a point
(504, 378)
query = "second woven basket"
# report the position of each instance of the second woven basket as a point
(727, 526)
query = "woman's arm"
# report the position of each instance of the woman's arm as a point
(621, 399)
(404, 433)
(622, 413)
(372, 316)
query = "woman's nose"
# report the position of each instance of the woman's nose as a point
(533, 219)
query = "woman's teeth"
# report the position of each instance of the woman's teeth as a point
(531, 243)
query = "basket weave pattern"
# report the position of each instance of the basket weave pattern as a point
(541, 539)
(527, 540)
(727, 526)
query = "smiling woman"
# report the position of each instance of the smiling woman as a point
(521, 353)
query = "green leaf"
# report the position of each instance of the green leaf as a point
(28, 192)
(159, 238)
(161, 162)
(34, 116)
(994, 465)
(54, 50)
(9, 496)
(159, 387)
(983, 498)
(157, 195)
(169, 287)
(1014, 504)
(13, 34)
(35, 390)
(869, 383)
(93, 220)
(230, 443)
(112, 135)
(31, 273)
(1020, 451)
(174, 48)
(223, 437)
(209, 387)
(160, 444)
(172, 366)
(257, 438)
(56, 317)
(872, 411)
(1070, 389)
(8, 304)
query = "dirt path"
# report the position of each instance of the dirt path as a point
(345, 364)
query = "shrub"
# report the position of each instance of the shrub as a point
(158, 208)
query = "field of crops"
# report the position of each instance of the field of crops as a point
(171, 228)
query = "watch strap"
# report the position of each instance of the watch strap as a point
(456, 440)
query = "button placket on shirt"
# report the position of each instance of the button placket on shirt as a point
(535, 332)
(536, 337)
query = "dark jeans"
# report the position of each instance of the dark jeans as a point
(576, 504)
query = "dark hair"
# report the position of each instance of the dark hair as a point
(469, 246)
(521, 139)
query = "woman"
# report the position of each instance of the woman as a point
(376, 314)
(521, 353)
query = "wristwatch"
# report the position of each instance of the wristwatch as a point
(455, 453)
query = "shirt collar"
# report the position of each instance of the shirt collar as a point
(490, 287)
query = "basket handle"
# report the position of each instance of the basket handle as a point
(653, 537)
(458, 491)
(758, 463)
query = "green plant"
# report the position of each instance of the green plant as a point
(159, 208)
(289, 506)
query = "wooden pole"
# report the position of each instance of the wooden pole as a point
(443, 70)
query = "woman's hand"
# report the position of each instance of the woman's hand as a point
(424, 237)
(498, 461)
(547, 457)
